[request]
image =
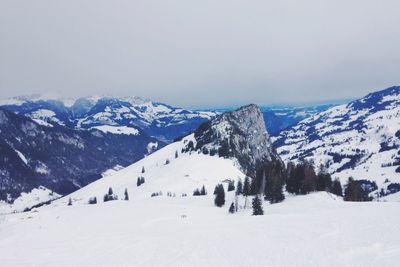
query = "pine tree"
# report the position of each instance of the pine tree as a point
(93, 200)
(110, 191)
(126, 194)
(257, 206)
(166, 161)
(138, 183)
(220, 196)
(176, 154)
(274, 182)
(142, 181)
(337, 188)
(203, 191)
(231, 186)
(239, 187)
(324, 180)
(69, 202)
(246, 186)
(232, 208)
(143, 170)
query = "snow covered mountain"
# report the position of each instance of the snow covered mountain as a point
(220, 151)
(158, 120)
(360, 139)
(57, 159)
(162, 217)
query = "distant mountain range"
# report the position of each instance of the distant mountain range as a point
(158, 120)
(59, 158)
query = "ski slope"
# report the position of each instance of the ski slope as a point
(312, 230)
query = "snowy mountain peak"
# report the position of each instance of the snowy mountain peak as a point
(239, 134)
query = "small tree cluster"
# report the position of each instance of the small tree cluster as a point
(92, 200)
(156, 194)
(140, 181)
(200, 192)
(184, 195)
(355, 192)
(219, 195)
(301, 178)
(170, 194)
(110, 196)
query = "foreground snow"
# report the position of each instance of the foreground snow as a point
(313, 230)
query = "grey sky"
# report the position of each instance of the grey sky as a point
(200, 53)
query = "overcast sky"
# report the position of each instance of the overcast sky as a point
(200, 53)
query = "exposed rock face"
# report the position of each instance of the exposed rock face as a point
(239, 134)
(59, 158)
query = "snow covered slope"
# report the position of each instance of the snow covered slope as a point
(311, 230)
(182, 175)
(360, 139)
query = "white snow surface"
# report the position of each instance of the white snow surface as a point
(117, 129)
(313, 230)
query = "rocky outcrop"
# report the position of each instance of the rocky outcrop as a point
(239, 134)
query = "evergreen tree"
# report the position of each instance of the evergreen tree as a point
(143, 170)
(203, 191)
(110, 191)
(255, 186)
(196, 192)
(126, 194)
(257, 206)
(215, 190)
(220, 196)
(93, 200)
(239, 187)
(324, 180)
(231, 186)
(309, 183)
(295, 176)
(246, 186)
(166, 161)
(274, 182)
(138, 183)
(142, 181)
(232, 208)
(337, 188)
(69, 202)
(176, 154)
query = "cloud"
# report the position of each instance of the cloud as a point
(200, 53)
